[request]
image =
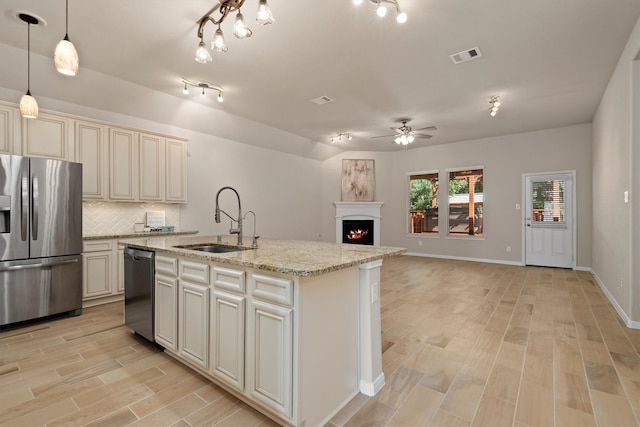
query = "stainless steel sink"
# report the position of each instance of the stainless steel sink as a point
(213, 248)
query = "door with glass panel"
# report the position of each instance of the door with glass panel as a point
(549, 216)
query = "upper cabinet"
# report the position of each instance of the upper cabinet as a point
(119, 164)
(47, 136)
(7, 117)
(123, 173)
(176, 171)
(91, 151)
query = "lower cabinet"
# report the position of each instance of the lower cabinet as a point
(166, 305)
(103, 271)
(193, 323)
(227, 338)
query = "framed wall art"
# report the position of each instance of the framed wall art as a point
(358, 180)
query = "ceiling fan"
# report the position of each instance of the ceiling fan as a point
(406, 135)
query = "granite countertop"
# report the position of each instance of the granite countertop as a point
(135, 234)
(296, 257)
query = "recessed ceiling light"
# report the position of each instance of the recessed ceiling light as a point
(321, 100)
(466, 55)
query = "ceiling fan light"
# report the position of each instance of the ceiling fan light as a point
(240, 30)
(28, 106)
(218, 44)
(382, 10)
(264, 16)
(66, 57)
(202, 54)
(401, 18)
(410, 138)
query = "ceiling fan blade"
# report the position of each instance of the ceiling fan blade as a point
(428, 128)
(383, 136)
(422, 135)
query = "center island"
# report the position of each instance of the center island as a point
(291, 327)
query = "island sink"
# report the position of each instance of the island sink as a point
(213, 248)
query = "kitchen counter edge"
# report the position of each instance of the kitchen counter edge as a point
(136, 234)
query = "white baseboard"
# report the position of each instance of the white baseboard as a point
(627, 321)
(369, 388)
(457, 258)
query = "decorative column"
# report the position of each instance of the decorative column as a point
(371, 375)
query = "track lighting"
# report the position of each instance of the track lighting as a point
(382, 9)
(28, 104)
(495, 105)
(66, 56)
(338, 137)
(217, 15)
(204, 86)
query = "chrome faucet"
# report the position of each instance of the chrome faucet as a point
(237, 230)
(254, 242)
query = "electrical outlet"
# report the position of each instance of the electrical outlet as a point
(517, 206)
(374, 293)
(620, 283)
(508, 249)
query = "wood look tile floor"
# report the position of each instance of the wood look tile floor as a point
(465, 344)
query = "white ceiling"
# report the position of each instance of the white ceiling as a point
(549, 60)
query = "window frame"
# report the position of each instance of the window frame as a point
(446, 206)
(430, 235)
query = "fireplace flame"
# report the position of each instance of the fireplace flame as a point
(358, 234)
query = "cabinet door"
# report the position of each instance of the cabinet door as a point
(193, 323)
(227, 346)
(6, 128)
(166, 311)
(123, 177)
(270, 356)
(119, 271)
(97, 273)
(151, 167)
(91, 152)
(176, 171)
(47, 136)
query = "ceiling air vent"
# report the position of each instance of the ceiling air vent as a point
(321, 100)
(466, 55)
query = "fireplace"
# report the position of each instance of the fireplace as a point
(357, 231)
(362, 218)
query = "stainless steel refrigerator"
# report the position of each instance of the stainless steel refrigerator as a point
(40, 238)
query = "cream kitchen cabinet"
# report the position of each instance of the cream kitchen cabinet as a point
(193, 312)
(103, 272)
(8, 117)
(123, 167)
(91, 151)
(227, 347)
(176, 171)
(166, 302)
(270, 344)
(47, 136)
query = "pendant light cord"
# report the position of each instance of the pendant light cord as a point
(29, 58)
(66, 27)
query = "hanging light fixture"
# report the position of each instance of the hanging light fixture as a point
(382, 9)
(204, 86)
(217, 15)
(28, 104)
(338, 137)
(66, 56)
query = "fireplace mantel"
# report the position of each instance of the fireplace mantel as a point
(358, 210)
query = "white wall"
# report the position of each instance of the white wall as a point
(616, 142)
(505, 160)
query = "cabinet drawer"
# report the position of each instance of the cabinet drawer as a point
(97, 245)
(273, 289)
(226, 278)
(194, 271)
(166, 265)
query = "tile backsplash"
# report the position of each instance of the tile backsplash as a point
(112, 217)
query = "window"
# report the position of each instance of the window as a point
(423, 202)
(466, 199)
(547, 201)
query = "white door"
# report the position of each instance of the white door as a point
(549, 224)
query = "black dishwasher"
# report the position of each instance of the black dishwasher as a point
(139, 272)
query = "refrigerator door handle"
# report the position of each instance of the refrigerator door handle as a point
(35, 208)
(37, 265)
(24, 207)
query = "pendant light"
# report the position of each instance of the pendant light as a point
(28, 104)
(66, 56)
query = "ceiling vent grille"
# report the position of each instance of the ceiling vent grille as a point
(321, 100)
(466, 55)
